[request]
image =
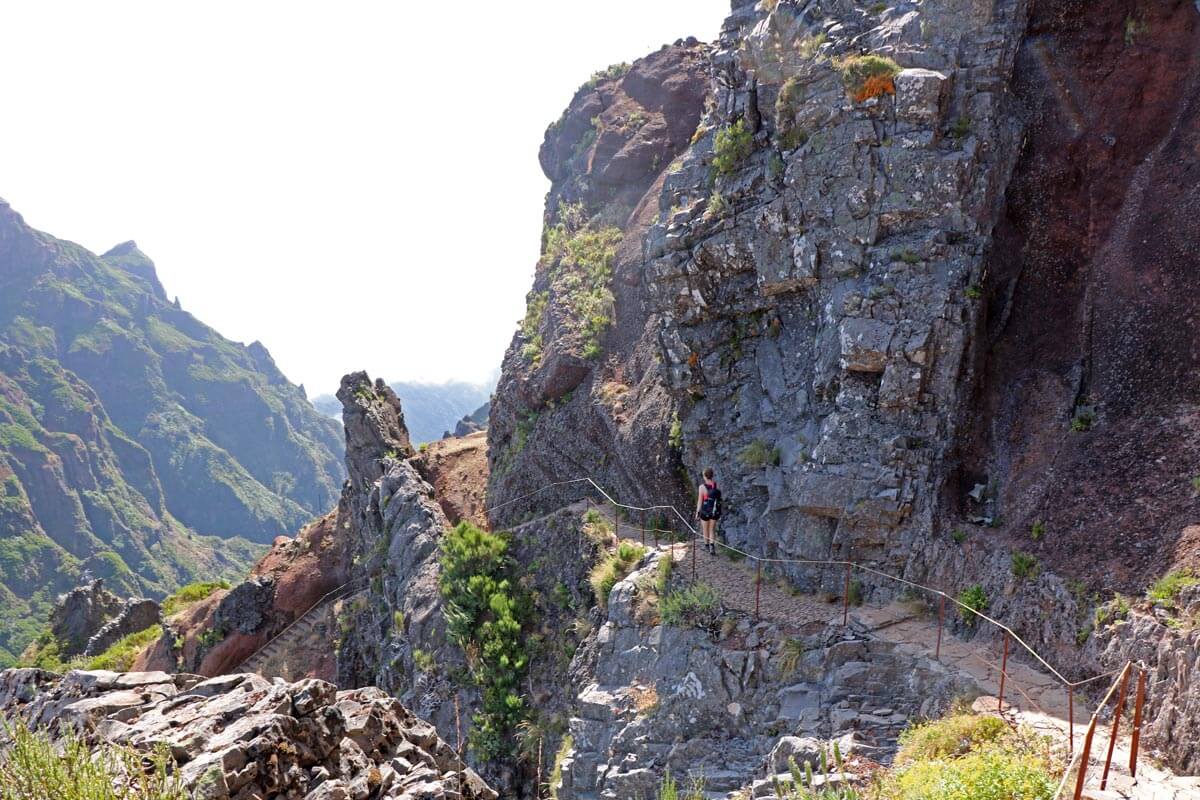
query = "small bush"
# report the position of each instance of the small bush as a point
(35, 768)
(975, 599)
(1038, 530)
(868, 76)
(961, 128)
(958, 535)
(610, 73)
(759, 454)
(696, 605)
(955, 735)
(662, 582)
(1024, 565)
(731, 146)
(1167, 588)
(973, 292)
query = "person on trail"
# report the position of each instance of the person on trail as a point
(708, 509)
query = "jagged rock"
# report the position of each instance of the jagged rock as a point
(136, 615)
(80, 613)
(242, 736)
(246, 607)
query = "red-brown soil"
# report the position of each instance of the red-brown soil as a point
(458, 470)
(1091, 297)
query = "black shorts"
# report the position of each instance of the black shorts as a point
(706, 517)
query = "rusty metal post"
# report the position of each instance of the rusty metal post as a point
(695, 547)
(1112, 740)
(1137, 722)
(1083, 762)
(846, 597)
(1071, 717)
(757, 587)
(941, 620)
(1003, 675)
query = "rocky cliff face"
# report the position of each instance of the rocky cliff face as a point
(909, 288)
(241, 737)
(584, 368)
(127, 427)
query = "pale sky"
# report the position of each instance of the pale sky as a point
(355, 184)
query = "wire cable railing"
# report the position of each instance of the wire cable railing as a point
(966, 611)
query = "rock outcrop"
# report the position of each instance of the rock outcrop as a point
(240, 737)
(80, 613)
(581, 392)
(136, 614)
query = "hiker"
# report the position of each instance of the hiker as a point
(708, 509)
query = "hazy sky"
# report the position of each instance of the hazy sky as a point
(355, 184)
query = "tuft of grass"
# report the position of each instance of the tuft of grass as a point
(423, 660)
(973, 292)
(36, 768)
(1083, 421)
(1166, 589)
(696, 605)
(1024, 565)
(1037, 530)
(759, 454)
(119, 657)
(718, 206)
(958, 535)
(1113, 610)
(961, 128)
(189, 595)
(612, 568)
(564, 751)
(789, 657)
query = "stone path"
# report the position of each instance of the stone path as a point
(1032, 697)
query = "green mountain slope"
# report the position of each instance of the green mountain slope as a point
(132, 435)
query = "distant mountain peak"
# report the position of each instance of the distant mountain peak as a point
(127, 257)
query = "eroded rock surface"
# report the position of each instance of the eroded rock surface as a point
(243, 737)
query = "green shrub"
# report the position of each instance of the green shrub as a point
(731, 146)
(35, 768)
(610, 73)
(1024, 565)
(1167, 588)
(974, 598)
(1038, 530)
(119, 657)
(486, 611)
(958, 535)
(1082, 421)
(423, 660)
(759, 454)
(973, 292)
(696, 605)
(675, 437)
(989, 774)
(955, 735)
(961, 128)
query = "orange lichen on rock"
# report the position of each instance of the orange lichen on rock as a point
(875, 86)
